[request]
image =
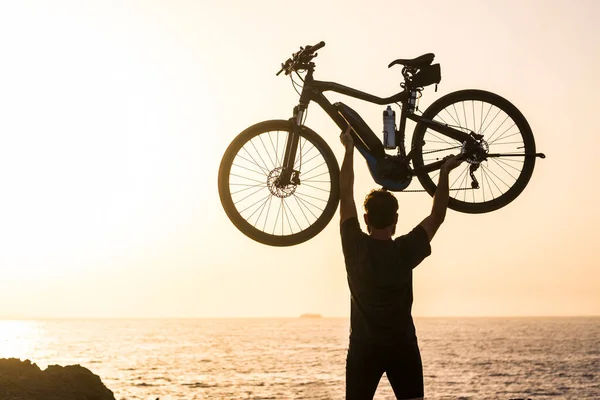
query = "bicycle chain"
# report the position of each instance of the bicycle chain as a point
(435, 151)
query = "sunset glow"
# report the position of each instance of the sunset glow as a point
(114, 118)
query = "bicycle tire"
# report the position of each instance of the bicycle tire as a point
(238, 159)
(446, 106)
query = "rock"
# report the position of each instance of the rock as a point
(23, 380)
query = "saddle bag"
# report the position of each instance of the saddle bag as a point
(427, 76)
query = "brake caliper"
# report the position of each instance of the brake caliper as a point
(295, 178)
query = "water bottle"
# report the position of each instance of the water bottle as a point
(389, 128)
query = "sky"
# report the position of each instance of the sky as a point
(114, 117)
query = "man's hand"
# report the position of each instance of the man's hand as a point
(346, 138)
(347, 205)
(452, 161)
(441, 196)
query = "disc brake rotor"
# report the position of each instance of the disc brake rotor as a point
(276, 188)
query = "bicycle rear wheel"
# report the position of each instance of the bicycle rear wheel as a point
(507, 150)
(262, 209)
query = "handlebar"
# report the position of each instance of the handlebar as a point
(317, 46)
(301, 57)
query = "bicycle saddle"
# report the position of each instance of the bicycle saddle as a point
(419, 62)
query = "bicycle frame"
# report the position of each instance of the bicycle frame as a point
(312, 90)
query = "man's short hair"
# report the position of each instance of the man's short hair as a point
(381, 207)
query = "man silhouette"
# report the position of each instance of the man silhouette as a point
(379, 271)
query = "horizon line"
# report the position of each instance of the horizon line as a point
(320, 316)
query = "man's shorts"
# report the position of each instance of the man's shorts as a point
(366, 363)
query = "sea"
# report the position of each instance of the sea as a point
(304, 358)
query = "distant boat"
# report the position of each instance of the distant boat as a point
(311, 316)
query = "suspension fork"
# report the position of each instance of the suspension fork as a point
(288, 174)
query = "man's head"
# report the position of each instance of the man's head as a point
(381, 208)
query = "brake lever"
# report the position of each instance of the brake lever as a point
(298, 57)
(284, 66)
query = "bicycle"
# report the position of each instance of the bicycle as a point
(282, 166)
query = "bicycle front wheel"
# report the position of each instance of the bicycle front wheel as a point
(506, 154)
(258, 205)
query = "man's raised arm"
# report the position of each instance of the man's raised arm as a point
(441, 197)
(347, 205)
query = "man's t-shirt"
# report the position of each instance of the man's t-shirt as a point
(380, 280)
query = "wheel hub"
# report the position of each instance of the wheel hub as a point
(275, 186)
(477, 152)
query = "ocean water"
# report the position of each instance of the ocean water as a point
(463, 358)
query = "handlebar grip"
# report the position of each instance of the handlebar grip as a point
(317, 46)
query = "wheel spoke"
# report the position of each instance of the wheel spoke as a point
(316, 176)
(318, 188)
(493, 181)
(266, 216)
(300, 208)
(274, 147)
(268, 153)
(282, 155)
(504, 169)
(312, 158)
(299, 159)
(250, 195)
(464, 172)
(261, 208)
(249, 169)
(463, 186)
(276, 219)
(254, 161)
(503, 133)
(503, 161)
(457, 117)
(293, 216)
(305, 202)
(312, 197)
(488, 182)
(312, 169)
(489, 138)
(473, 108)
(258, 152)
(248, 187)
(283, 216)
(491, 122)
(480, 131)
(246, 178)
(482, 183)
